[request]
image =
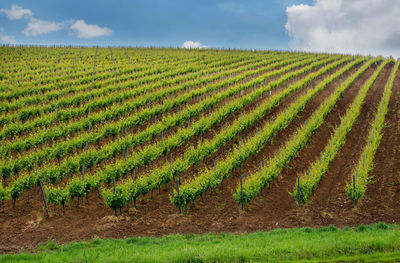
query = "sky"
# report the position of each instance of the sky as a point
(342, 26)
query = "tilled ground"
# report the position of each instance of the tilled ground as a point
(23, 227)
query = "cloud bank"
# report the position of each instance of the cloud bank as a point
(191, 45)
(16, 12)
(356, 27)
(41, 27)
(89, 31)
(37, 27)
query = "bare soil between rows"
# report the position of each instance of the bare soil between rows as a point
(23, 227)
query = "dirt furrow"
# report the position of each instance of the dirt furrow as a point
(330, 204)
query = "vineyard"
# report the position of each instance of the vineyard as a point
(193, 141)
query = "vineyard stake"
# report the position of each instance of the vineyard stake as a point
(115, 69)
(36, 170)
(298, 189)
(94, 67)
(354, 187)
(57, 112)
(177, 189)
(241, 191)
(44, 196)
(119, 98)
(170, 168)
(115, 209)
(83, 172)
(2, 143)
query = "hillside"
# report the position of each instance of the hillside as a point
(193, 141)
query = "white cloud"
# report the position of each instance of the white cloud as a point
(190, 45)
(8, 40)
(357, 27)
(40, 27)
(89, 31)
(16, 12)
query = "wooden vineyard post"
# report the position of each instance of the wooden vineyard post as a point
(133, 181)
(354, 187)
(115, 209)
(44, 196)
(298, 190)
(119, 98)
(83, 172)
(241, 192)
(177, 189)
(2, 144)
(170, 168)
(36, 170)
(57, 113)
(94, 67)
(261, 192)
(241, 182)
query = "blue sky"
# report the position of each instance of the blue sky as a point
(258, 24)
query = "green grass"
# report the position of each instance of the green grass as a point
(374, 243)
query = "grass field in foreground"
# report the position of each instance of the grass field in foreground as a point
(374, 243)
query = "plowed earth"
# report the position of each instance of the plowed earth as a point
(23, 227)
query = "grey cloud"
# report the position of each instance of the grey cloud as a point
(356, 27)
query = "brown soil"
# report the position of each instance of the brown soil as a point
(23, 227)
